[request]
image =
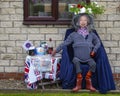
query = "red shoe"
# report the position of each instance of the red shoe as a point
(89, 83)
(78, 83)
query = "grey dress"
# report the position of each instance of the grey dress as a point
(81, 46)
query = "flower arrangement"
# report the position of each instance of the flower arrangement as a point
(91, 8)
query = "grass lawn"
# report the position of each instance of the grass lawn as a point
(57, 94)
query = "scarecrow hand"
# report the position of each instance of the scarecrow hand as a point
(53, 52)
(92, 54)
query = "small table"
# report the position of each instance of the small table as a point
(39, 67)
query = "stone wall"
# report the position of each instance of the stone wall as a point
(13, 33)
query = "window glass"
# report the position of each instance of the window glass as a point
(40, 8)
(64, 8)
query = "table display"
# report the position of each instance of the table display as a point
(41, 66)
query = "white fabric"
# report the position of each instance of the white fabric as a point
(34, 72)
(39, 65)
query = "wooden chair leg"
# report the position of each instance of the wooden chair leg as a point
(43, 87)
(57, 85)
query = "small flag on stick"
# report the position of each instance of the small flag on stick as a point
(27, 44)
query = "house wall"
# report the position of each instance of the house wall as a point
(13, 34)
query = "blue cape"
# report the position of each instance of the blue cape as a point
(102, 79)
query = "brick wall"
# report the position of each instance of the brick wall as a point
(13, 33)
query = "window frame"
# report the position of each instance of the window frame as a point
(47, 20)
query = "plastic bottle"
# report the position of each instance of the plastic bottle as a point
(50, 46)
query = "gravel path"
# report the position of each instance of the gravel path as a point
(12, 84)
(19, 84)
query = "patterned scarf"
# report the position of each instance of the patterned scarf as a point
(83, 31)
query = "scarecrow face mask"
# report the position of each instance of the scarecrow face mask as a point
(83, 21)
(77, 18)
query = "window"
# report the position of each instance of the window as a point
(48, 11)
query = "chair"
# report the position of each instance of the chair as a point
(102, 79)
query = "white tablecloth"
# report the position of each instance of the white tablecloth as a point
(39, 67)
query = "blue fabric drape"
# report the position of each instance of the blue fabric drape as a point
(102, 79)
